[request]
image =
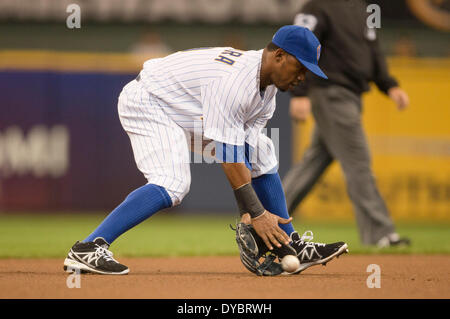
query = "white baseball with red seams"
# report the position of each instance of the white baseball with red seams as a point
(290, 263)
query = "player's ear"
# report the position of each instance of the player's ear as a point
(279, 54)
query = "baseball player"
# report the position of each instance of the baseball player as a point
(230, 95)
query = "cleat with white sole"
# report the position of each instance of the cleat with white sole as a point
(93, 257)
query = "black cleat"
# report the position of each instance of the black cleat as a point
(310, 253)
(93, 257)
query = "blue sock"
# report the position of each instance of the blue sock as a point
(137, 207)
(271, 194)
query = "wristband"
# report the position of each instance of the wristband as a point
(248, 201)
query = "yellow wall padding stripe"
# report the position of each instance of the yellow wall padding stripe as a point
(71, 61)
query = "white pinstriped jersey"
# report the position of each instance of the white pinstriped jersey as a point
(218, 86)
(214, 91)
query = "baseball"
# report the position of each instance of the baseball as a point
(290, 263)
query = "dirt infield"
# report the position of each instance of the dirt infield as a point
(402, 276)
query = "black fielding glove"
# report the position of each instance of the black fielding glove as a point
(252, 248)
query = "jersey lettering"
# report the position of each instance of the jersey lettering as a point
(226, 60)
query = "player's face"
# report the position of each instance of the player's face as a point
(288, 72)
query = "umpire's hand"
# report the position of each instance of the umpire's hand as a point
(266, 226)
(299, 108)
(399, 96)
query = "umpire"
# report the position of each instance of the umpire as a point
(351, 57)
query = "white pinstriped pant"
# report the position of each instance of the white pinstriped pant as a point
(161, 147)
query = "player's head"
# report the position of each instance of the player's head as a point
(294, 50)
(286, 70)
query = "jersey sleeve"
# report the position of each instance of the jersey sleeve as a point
(223, 103)
(382, 78)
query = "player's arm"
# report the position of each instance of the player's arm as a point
(223, 122)
(264, 222)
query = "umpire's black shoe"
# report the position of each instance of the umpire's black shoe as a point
(310, 253)
(393, 240)
(93, 257)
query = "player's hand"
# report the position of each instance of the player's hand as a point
(266, 226)
(246, 219)
(399, 96)
(300, 108)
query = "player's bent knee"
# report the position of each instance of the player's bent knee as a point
(178, 193)
(258, 172)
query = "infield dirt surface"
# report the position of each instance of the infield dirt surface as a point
(402, 276)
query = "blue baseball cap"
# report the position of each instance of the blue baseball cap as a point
(302, 44)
